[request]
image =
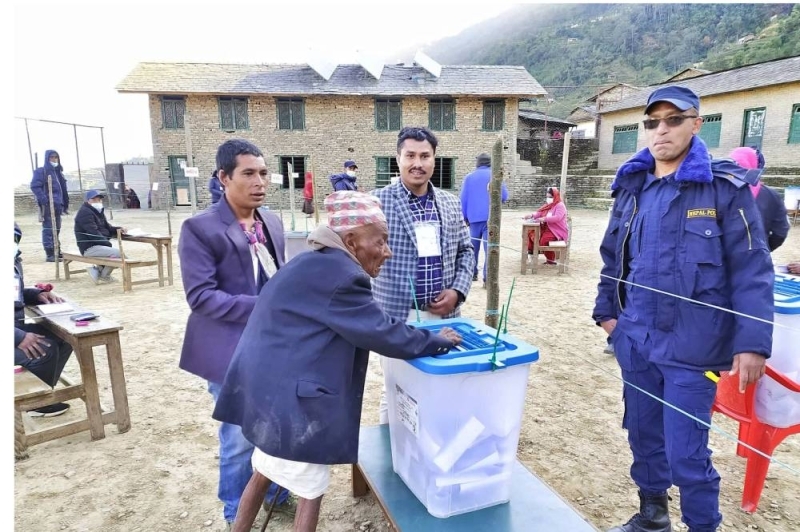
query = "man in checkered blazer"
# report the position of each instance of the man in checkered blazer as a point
(415, 209)
(430, 272)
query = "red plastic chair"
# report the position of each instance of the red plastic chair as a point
(765, 438)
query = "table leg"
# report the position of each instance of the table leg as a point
(537, 233)
(524, 259)
(118, 386)
(20, 440)
(360, 486)
(168, 249)
(85, 357)
(160, 253)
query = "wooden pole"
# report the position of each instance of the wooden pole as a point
(190, 160)
(493, 252)
(564, 166)
(53, 225)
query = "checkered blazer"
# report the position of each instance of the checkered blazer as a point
(391, 288)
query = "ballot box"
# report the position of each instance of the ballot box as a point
(454, 419)
(775, 405)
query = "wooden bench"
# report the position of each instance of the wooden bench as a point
(533, 504)
(122, 263)
(31, 393)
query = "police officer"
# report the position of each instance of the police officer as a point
(686, 226)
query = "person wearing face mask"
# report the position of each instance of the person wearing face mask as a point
(296, 381)
(553, 217)
(347, 179)
(93, 234)
(35, 347)
(52, 167)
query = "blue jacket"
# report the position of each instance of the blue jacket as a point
(39, 185)
(712, 249)
(215, 188)
(475, 195)
(220, 286)
(296, 381)
(343, 182)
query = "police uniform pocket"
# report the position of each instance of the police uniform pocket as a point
(703, 244)
(697, 444)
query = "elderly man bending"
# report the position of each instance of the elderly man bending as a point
(296, 381)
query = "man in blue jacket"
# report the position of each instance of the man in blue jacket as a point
(685, 270)
(215, 187)
(296, 381)
(36, 348)
(475, 207)
(347, 179)
(52, 167)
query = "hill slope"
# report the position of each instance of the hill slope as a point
(575, 49)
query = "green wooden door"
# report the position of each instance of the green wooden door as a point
(181, 194)
(753, 128)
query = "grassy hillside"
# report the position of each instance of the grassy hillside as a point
(575, 49)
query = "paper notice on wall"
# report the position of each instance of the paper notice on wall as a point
(155, 186)
(407, 411)
(276, 179)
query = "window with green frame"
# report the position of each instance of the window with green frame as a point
(291, 113)
(172, 111)
(794, 127)
(625, 138)
(385, 169)
(712, 125)
(298, 163)
(388, 114)
(444, 172)
(233, 113)
(442, 114)
(493, 112)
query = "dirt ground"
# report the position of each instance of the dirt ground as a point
(161, 475)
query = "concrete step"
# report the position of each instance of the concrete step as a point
(602, 204)
(602, 193)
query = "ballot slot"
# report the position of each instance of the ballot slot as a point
(473, 341)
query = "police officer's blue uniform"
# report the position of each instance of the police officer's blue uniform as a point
(696, 234)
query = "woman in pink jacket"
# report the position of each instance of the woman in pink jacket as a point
(553, 217)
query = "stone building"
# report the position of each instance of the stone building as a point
(753, 105)
(315, 122)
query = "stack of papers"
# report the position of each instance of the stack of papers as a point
(136, 232)
(54, 308)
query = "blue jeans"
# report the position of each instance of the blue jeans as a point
(235, 468)
(49, 367)
(479, 231)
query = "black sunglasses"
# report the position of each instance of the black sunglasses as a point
(671, 121)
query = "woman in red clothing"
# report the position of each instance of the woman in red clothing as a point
(308, 195)
(553, 218)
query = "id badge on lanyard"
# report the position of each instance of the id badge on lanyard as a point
(427, 234)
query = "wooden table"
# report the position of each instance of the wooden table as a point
(100, 332)
(163, 245)
(536, 227)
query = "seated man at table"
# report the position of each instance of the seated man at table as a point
(296, 380)
(93, 234)
(35, 348)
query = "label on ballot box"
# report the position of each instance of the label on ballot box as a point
(454, 419)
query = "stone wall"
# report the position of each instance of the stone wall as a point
(337, 128)
(530, 192)
(547, 153)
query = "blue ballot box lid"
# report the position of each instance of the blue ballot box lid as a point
(476, 349)
(787, 294)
